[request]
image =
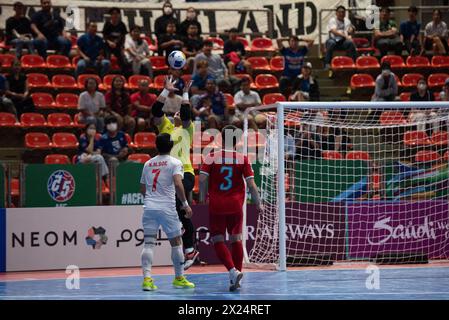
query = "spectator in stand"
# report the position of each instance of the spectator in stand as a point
(6, 105)
(160, 25)
(308, 144)
(92, 105)
(48, 27)
(142, 102)
(113, 143)
(199, 82)
(170, 41)
(18, 31)
(18, 90)
(89, 150)
(386, 85)
(192, 45)
(294, 56)
(387, 36)
(435, 34)
(118, 104)
(191, 19)
(246, 98)
(214, 102)
(114, 33)
(137, 53)
(234, 53)
(420, 116)
(340, 31)
(444, 94)
(91, 49)
(409, 32)
(305, 87)
(422, 93)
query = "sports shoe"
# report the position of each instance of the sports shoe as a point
(236, 277)
(182, 283)
(189, 259)
(148, 285)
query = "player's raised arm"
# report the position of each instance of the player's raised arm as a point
(177, 179)
(186, 109)
(156, 110)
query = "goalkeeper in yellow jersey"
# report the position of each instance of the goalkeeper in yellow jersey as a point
(181, 132)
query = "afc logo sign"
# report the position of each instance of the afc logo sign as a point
(61, 186)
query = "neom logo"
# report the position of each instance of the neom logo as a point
(96, 237)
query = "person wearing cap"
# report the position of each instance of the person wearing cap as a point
(340, 29)
(386, 36)
(386, 85)
(18, 31)
(234, 54)
(409, 32)
(305, 86)
(294, 56)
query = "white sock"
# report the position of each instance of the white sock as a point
(178, 260)
(147, 261)
(188, 250)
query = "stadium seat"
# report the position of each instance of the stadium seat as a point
(245, 75)
(74, 40)
(405, 96)
(332, 155)
(129, 140)
(159, 82)
(392, 118)
(32, 119)
(186, 78)
(152, 44)
(358, 155)
(259, 63)
(366, 62)
(107, 80)
(32, 61)
(440, 61)
(37, 140)
(145, 140)
(159, 63)
(59, 120)
(218, 42)
(56, 61)
(410, 80)
(396, 62)
(83, 77)
(416, 138)
(76, 121)
(114, 64)
(342, 63)
(245, 43)
(15, 187)
(266, 81)
(139, 157)
(436, 96)
(271, 98)
(8, 120)
(75, 60)
(436, 80)
(277, 63)
(38, 81)
(363, 45)
(229, 99)
(417, 62)
(63, 81)
(6, 60)
(362, 80)
(398, 81)
(56, 159)
(440, 138)
(43, 100)
(427, 156)
(133, 81)
(262, 44)
(65, 140)
(66, 100)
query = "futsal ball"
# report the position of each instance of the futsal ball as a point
(177, 59)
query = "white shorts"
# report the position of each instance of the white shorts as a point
(169, 220)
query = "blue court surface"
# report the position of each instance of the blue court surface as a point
(395, 283)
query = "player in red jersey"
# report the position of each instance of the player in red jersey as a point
(227, 171)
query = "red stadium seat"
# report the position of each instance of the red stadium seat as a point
(38, 80)
(43, 100)
(152, 44)
(440, 61)
(139, 157)
(83, 77)
(427, 156)
(133, 81)
(15, 187)
(32, 119)
(65, 140)
(417, 62)
(363, 45)
(75, 61)
(8, 120)
(342, 63)
(129, 140)
(358, 155)
(74, 40)
(416, 138)
(392, 118)
(145, 140)
(440, 138)
(405, 96)
(159, 63)
(245, 43)
(361, 80)
(56, 159)
(277, 63)
(107, 80)
(367, 62)
(332, 155)
(63, 81)
(411, 79)
(76, 121)
(31, 61)
(59, 120)
(37, 140)
(229, 99)
(159, 82)
(259, 63)
(57, 61)
(396, 62)
(271, 98)
(218, 42)
(66, 100)
(436, 80)
(266, 81)
(262, 44)
(436, 96)
(6, 60)
(398, 81)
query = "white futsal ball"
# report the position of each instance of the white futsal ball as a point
(177, 59)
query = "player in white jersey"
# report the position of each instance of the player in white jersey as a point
(161, 180)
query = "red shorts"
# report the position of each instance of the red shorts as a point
(219, 223)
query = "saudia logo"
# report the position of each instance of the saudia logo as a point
(409, 231)
(61, 186)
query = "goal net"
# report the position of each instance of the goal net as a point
(353, 181)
